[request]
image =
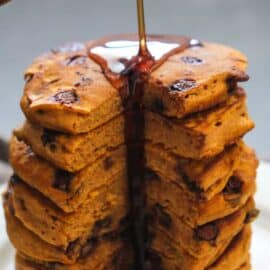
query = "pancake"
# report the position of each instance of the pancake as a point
(202, 135)
(28, 243)
(202, 240)
(73, 153)
(102, 212)
(206, 177)
(67, 190)
(186, 205)
(67, 91)
(233, 255)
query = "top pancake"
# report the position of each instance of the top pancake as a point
(65, 90)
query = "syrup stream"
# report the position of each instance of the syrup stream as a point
(128, 63)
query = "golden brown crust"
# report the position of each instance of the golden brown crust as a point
(101, 213)
(73, 188)
(214, 68)
(68, 206)
(201, 135)
(68, 91)
(73, 153)
(237, 254)
(206, 175)
(202, 240)
(28, 243)
(233, 254)
(194, 211)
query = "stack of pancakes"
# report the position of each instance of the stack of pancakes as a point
(68, 203)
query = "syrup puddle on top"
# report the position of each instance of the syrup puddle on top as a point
(117, 53)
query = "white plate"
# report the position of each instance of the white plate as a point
(261, 232)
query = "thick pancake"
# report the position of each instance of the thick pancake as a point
(67, 190)
(237, 254)
(245, 266)
(67, 91)
(102, 212)
(103, 257)
(202, 135)
(107, 256)
(209, 68)
(206, 177)
(185, 204)
(33, 247)
(232, 255)
(203, 240)
(73, 153)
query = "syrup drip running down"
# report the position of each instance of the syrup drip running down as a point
(127, 63)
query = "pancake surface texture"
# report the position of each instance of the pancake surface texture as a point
(140, 169)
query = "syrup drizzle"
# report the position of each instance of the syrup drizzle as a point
(127, 63)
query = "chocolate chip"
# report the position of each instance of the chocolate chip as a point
(83, 81)
(54, 81)
(49, 136)
(66, 97)
(164, 218)
(70, 47)
(108, 163)
(40, 111)
(101, 224)
(28, 77)
(192, 185)
(232, 84)
(207, 232)
(158, 105)
(233, 186)
(182, 85)
(73, 247)
(22, 204)
(150, 175)
(14, 179)
(62, 180)
(88, 248)
(11, 207)
(191, 60)
(76, 60)
(233, 199)
(195, 43)
(252, 215)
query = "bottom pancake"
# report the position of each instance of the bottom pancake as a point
(107, 256)
(28, 243)
(234, 256)
(201, 241)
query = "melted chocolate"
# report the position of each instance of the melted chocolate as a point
(66, 97)
(207, 232)
(62, 180)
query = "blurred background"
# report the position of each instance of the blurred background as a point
(30, 27)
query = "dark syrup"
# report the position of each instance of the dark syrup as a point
(127, 63)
